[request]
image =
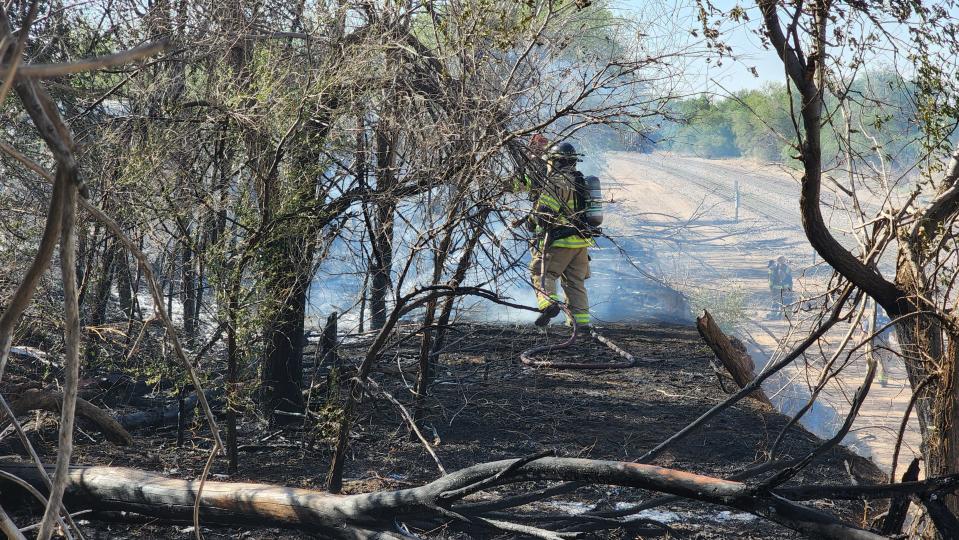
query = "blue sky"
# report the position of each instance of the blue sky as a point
(677, 19)
(748, 51)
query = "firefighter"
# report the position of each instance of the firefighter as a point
(780, 286)
(560, 247)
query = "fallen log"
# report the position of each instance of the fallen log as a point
(375, 515)
(33, 354)
(942, 517)
(117, 388)
(34, 399)
(733, 355)
(164, 416)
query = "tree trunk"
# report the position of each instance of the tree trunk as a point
(381, 262)
(926, 332)
(232, 375)
(124, 285)
(283, 355)
(101, 297)
(899, 506)
(929, 349)
(288, 265)
(171, 282)
(328, 342)
(86, 248)
(188, 288)
(737, 362)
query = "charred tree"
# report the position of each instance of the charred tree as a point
(289, 264)
(34, 399)
(282, 374)
(381, 228)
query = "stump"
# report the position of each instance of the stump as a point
(732, 354)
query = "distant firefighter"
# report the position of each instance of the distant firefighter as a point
(780, 286)
(566, 215)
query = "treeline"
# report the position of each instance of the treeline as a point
(880, 115)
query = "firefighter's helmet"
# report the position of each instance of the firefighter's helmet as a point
(562, 155)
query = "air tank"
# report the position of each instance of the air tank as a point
(594, 201)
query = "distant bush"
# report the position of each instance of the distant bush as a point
(756, 124)
(727, 306)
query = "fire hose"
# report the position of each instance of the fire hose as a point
(526, 357)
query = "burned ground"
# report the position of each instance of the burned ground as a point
(487, 406)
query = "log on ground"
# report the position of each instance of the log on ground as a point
(34, 399)
(373, 515)
(164, 416)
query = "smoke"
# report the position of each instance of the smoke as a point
(789, 397)
(624, 285)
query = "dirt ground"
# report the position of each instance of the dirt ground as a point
(486, 406)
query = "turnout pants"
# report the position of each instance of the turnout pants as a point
(571, 267)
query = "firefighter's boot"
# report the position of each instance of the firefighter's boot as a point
(547, 314)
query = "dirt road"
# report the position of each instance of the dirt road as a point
(686, 208)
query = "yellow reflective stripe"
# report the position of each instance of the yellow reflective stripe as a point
(581, 318)
(550, 202)
(573, 242)
(543, 301)
(522, 183)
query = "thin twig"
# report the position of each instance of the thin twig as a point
(527, 530)
(409, 420)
